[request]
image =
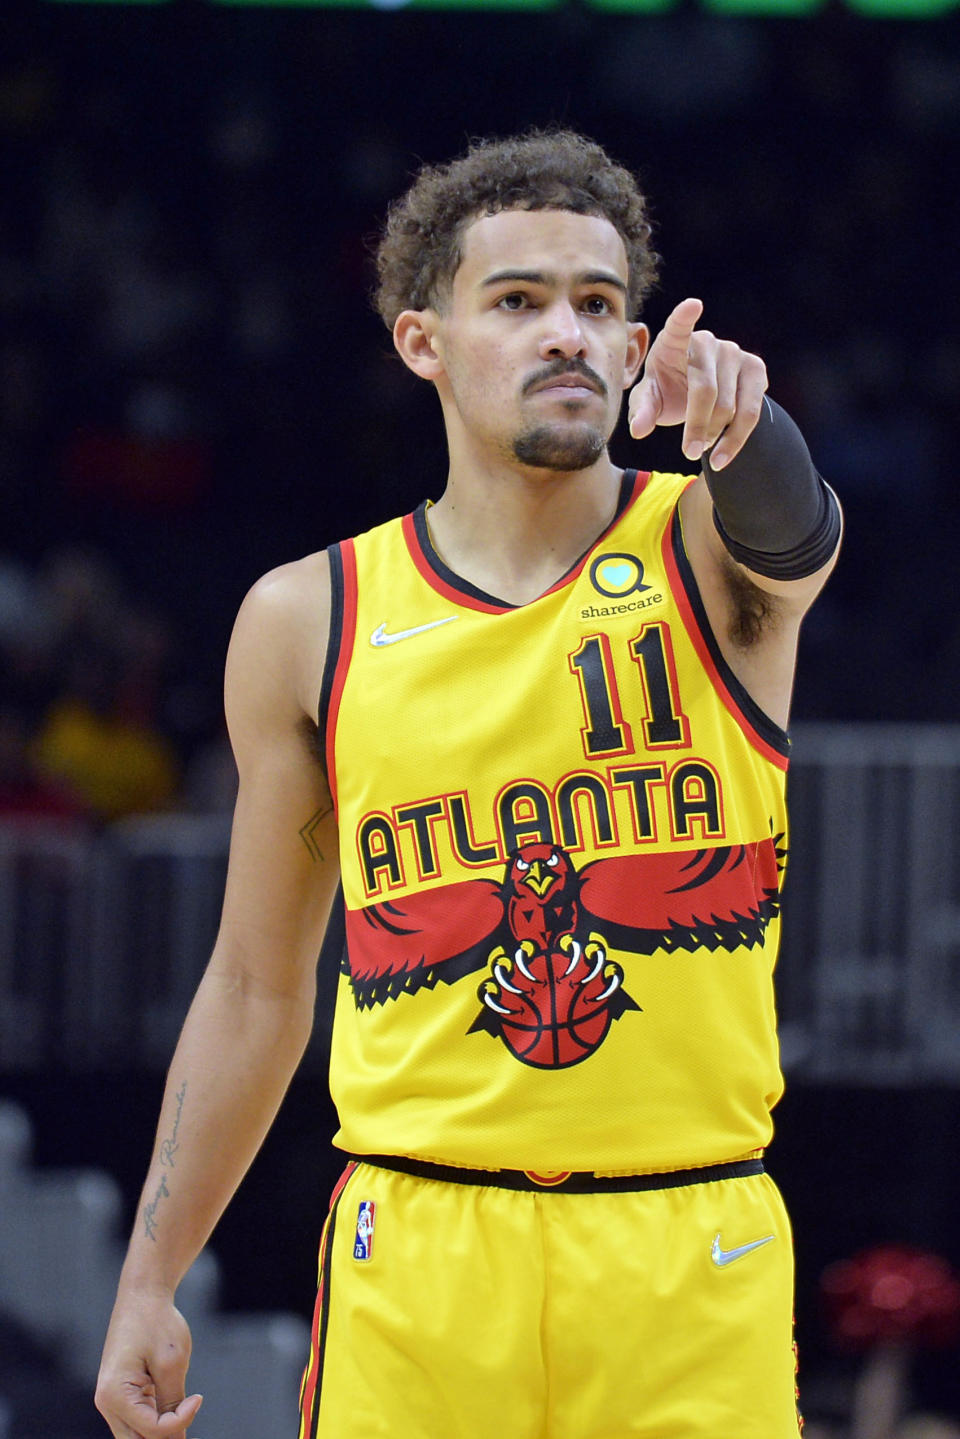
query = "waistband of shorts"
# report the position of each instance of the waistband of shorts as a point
(564, 1181)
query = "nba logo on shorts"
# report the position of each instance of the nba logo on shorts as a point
(363, 1243)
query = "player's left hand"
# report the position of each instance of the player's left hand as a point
(711, 386)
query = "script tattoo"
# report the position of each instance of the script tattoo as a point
(168, 1150)
(170, 1146)
(150, 1210)
(309, 830)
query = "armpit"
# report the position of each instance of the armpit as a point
(753, 611)
(310, 733)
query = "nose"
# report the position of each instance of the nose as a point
(563, 333)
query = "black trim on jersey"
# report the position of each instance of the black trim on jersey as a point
(334, 642)
(767, 728)
(582, 1182)
(449, 577)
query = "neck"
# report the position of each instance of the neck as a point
(515, 533)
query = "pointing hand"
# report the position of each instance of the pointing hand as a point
(710, 386)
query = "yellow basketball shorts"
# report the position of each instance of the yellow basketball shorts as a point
(471, 1310)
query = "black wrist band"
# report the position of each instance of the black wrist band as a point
(804, 559)
(772, 510)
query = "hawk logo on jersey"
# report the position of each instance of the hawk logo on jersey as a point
(553, 998)
(552, 992)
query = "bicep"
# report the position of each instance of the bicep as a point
(283, 870)
(283, 867)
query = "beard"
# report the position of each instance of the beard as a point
(555, 447)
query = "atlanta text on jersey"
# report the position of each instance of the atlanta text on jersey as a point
(437, 836)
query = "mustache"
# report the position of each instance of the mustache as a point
(558, 368)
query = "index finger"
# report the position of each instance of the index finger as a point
(674, 338)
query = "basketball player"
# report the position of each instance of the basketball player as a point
(549, 768)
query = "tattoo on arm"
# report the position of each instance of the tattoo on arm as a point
(169, 1147)
(168, 1152)
(150, 1210)
(308, 833)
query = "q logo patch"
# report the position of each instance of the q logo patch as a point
(617, 575)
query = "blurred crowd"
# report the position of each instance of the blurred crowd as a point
(93, 726)
(917, 1426)
(193, 387)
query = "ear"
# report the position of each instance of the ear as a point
(638, 343)
(414, 336)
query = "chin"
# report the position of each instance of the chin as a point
(549, 447)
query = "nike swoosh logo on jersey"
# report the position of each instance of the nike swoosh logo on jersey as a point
(380, 636)
(722, 1257)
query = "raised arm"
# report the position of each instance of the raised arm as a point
(760, 527)
(251, 1018)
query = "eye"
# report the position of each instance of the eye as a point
(598, 305)
(554, 859)
(522, 865)
(516, 300)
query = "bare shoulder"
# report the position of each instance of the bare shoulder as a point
(278, 647)
(292, 592)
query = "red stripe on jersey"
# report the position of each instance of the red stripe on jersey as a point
(437, 582)
(348, 631)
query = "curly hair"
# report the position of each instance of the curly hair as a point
(420, 248)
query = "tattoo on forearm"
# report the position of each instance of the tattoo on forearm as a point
(150, 1210)
(170, 1146)
(309, 831)
(168, 1151)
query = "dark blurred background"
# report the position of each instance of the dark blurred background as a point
(194, 388)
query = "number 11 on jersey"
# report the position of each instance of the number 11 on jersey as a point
(607, 732)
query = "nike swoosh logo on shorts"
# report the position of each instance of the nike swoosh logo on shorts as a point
(380, 636)
(722, 1257)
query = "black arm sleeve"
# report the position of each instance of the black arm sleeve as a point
(771, 509)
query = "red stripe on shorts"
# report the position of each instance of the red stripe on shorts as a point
(311, 1375)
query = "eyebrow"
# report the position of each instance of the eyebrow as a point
(541, 277)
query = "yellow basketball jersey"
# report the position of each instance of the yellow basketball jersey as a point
(562, 828)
